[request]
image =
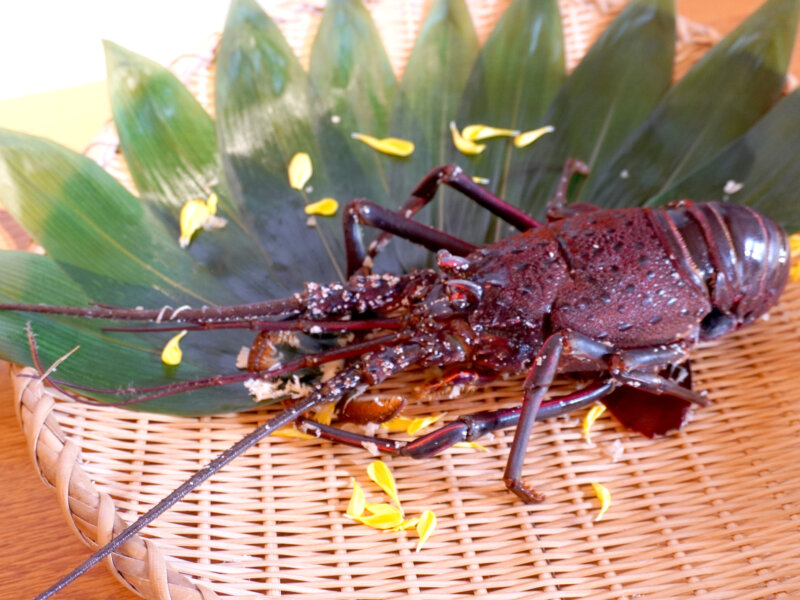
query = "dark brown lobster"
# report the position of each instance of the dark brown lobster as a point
(621, 294)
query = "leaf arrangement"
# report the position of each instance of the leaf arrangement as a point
(646, 142)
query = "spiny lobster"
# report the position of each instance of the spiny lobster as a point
(622, 294)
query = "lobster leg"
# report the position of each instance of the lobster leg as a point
(466, 428)
(363, 212)
(536, 385)
(556, 206)
(450, 175)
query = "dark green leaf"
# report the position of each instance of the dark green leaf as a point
(352, 90)
(615, 86)
(430, 91)
(717, 101)
(352, 77)
(103, 238)
(170, 146)
(104, 359)
(264, 118)
(516, 76)
(168, 140)
(763, 162)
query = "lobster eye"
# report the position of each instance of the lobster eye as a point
(715, 324)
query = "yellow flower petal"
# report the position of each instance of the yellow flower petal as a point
(604, 496)
(211, 203)
(300, 170)
(390, 145)
(421, 423)
(193, 214)
(794, 250)
(326, 207)
(592, 416)
(526, 138)
(481, 180)
(171, 354)
(397, 424)
(379, 508)
(407, 524)
(425, 527)
(357, 503)
(474, 445)
(380, 474)
(464, 145)
(293, 433)
(476, 133)
(325, 414)
(384, 520)
(196, 215)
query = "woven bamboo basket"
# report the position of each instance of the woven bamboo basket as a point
(711, 511)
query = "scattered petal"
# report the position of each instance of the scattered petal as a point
(384, 520)
(477, 133)
(732, 186)
(325, 413)
(592, 416)
(390, 145)
(380, 474)
(407, 524)
(425, 527)
(464, 145)
(211, 203)
(604, 496)
(171, 354)
(526, 138)
(421, 423)
(794, 249)
(357, 501)
(241, 358)
(300, 170)
(481, 180)
(198, 214)
(397, 424)
(474, 445)
(293, 433)
(379, 508)
(326, 207)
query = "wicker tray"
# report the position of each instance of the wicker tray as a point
(711, 511)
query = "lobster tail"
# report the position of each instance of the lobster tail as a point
(741, 255)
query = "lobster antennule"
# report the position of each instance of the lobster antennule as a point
(147, 393)
(304, 325)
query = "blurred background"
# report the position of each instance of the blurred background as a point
(52, 68)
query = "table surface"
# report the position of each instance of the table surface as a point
(36, 545)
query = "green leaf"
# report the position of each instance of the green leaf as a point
(168, 140)
(352, 90)
(516, 76)
(103, 237)
(105, 359)
(351, 73)
(615, 86)
(717, 101)
(264, 117)
(430, 91)
(170, 146)
(763, 162)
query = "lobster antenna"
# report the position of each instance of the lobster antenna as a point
(278, 421)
